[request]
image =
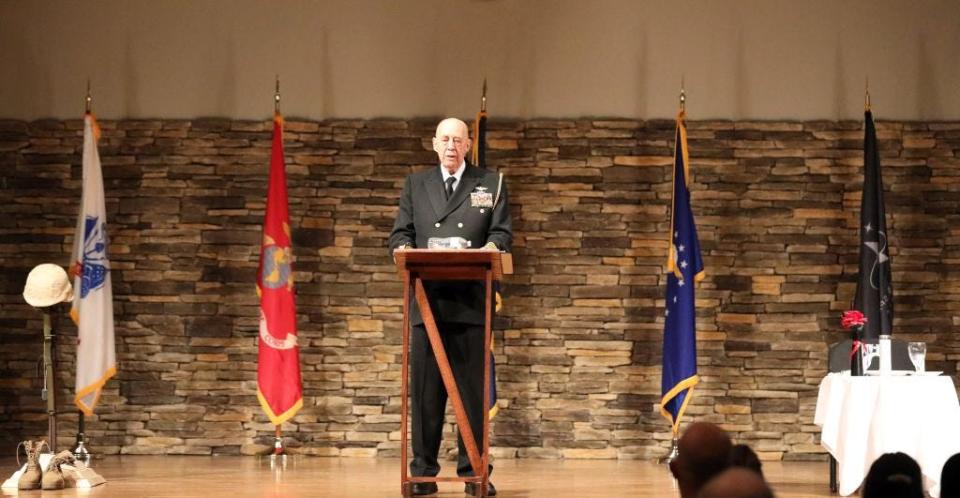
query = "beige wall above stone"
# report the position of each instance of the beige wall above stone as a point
(740, 59)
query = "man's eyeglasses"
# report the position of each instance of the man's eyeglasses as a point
(457, 141)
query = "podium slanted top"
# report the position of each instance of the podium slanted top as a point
(454, 264)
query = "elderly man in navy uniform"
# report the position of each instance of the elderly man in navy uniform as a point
(453, 200)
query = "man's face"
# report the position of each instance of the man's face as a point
(451, 143)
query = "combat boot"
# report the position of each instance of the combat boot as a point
(30, 478)
(53, 478)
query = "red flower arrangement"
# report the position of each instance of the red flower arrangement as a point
(854, 321)
(852, 318)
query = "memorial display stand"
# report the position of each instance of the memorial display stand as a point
(416, 266)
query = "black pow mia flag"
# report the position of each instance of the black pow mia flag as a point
(874, 296)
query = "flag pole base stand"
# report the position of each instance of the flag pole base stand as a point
(278, 460)
(279, 463)
(278, 456)
(80, 453)
(672, 454)
(278, 450)
(79, 449)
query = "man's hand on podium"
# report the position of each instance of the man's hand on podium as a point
(490, 246)
(402, 247)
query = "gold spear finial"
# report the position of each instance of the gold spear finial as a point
(683, 96)
(88, 100)
(866, 95)
(483, 98)
(276, 97)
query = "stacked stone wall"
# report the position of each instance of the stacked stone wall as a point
(578, 342)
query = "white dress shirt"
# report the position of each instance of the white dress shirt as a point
(456, 175)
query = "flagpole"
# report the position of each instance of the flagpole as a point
(478, 151)
(674, 451)
(276, 98)
(683, 96)
(483, 97)
(79, 449)
(278, 449)
(88, 100)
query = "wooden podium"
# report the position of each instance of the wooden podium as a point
(415, 266)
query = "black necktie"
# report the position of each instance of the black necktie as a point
(450, 182)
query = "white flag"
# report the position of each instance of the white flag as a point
(93, 295)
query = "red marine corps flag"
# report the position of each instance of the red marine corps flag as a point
(278, 361)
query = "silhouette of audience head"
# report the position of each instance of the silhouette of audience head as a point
(736, 482)
(742, 455)
(703, 452)
(893, 475)
(950, 477)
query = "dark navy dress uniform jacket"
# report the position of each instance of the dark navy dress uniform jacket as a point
(424, 213)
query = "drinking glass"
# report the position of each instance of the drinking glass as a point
(918, 354)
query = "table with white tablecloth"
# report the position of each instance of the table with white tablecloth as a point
(864, 417)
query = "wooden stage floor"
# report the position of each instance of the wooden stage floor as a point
(240, 477)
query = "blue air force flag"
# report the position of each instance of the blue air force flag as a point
(92, 309)
(684, 269)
